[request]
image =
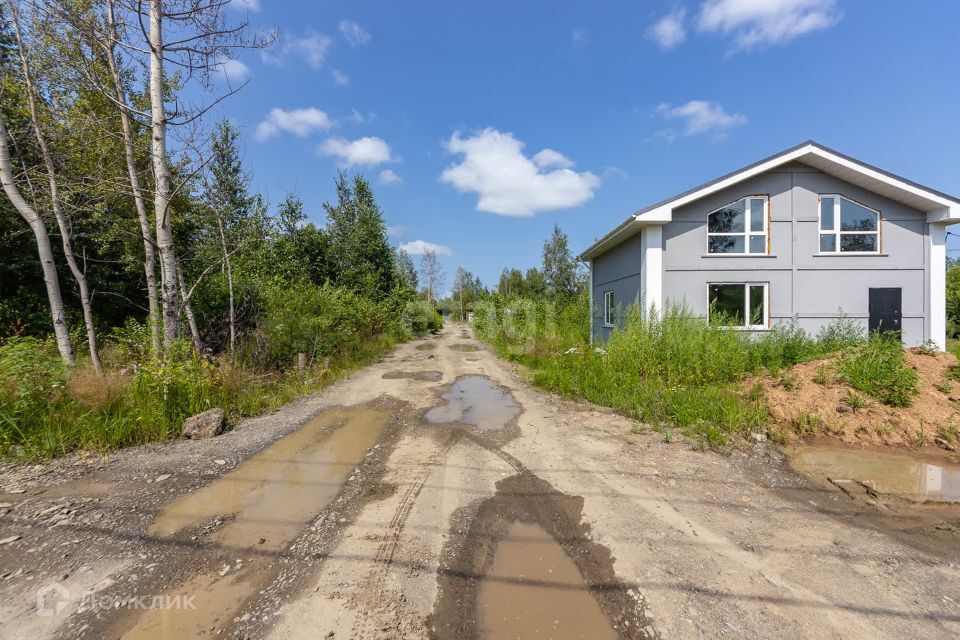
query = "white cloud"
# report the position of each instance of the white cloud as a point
(613, 171)
(388, 176)
(509, 183)
(699, 116)
(299, 122)
(356, 35)
(669, 31)
(758, 22)
(397, 231)
(419, 247)
(367, 151)
(246, 5)
(549, 158)
(340, 78)
(359, 118)
(232, 70)
(580, 36)
(311, 47)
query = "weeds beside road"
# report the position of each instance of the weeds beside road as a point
(47, 409)
(676, 371)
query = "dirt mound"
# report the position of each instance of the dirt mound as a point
(810, 400)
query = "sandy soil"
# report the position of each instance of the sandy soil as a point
(669, 542)
(814, 393)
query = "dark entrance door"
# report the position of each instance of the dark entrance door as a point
(886, 313)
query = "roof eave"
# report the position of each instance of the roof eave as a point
(947, 215)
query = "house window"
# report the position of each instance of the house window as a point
(847, 226)
(608, 308)
(739, 227)
(739, 305)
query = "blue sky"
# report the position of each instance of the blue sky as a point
(447, 106)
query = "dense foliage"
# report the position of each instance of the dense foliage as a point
(337, 294)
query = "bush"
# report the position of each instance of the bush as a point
(879, 368)
(130, 343)
(47, 410)
(320, 321)
(420, 317)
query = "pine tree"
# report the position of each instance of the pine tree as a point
(362, 256)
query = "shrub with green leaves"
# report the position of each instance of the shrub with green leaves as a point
(319, 321)
(879, 368)
(420, 317)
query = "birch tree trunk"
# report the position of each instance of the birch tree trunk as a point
(78, 273)
(149, 257)
(191, 319)
(229, 266)
(44, 250)
(161, 171)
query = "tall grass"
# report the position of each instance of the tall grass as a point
(47, 410)
(670, 369)
(879, 368)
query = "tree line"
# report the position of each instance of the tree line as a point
(126, 198)
(560, 278)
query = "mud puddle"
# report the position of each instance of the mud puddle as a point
(422, 376)
(426, 346)
(474, 400)
(259, 507)
(533, 590)
(468, 348)
(884, 473)
(527, 568)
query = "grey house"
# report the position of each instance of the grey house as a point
(805, 234)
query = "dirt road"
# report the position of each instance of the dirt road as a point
(437, 494)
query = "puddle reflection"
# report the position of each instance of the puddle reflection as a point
(886, 472)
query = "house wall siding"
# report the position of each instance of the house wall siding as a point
(802, 284)
(618, 270)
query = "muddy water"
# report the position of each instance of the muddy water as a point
(474, 400)
(422, 376)
(533, 590)
(266, 502)
(527, 567)
(465, 347)
(890, 473)
(427, 346)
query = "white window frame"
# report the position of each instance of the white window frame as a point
(838, 234)
(746, 305)
(748, 230)
(608, 308)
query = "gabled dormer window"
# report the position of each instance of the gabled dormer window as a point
(847, 226)
(739, 227)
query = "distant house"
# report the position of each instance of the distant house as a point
(803, 234)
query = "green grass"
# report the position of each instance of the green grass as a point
(674, 371)
(879, 368)
(48, 411)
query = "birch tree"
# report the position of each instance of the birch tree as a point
(126, 114)
(44, 250)
(200, 43)
(431, 273)
(54, 186)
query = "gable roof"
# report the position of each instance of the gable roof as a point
(939, 206)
